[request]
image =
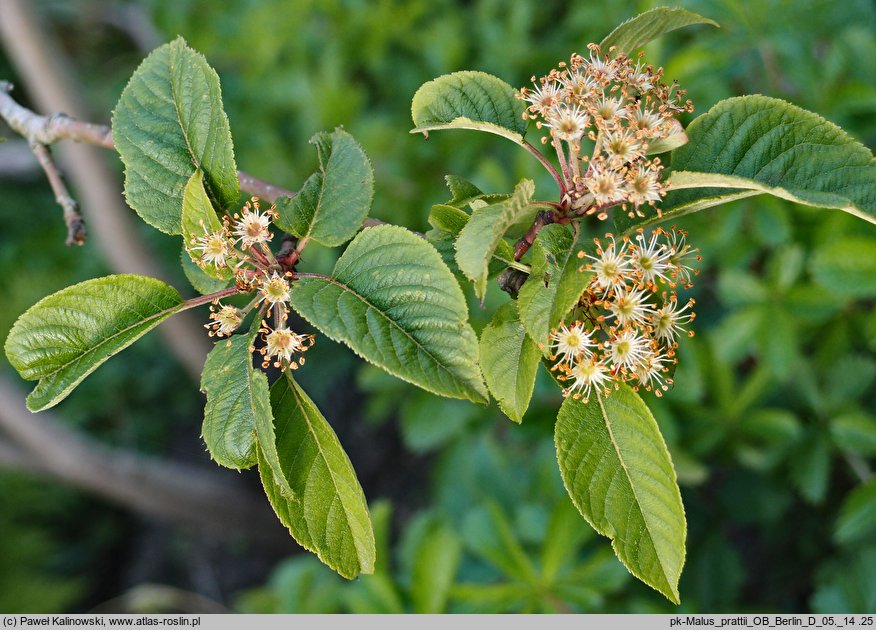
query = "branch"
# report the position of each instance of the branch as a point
(72, 218)
(51, 83)
(170, 490)
(47, 130)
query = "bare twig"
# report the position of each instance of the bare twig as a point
(72, 217)
(48, 130)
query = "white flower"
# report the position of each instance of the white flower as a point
(275, 290)
(645, 121)
(601, 68)
(609, 111)
(650, 259)
(668, 321)
(643, 185)
(282, 343)
(629, 307)
(213, 248)
(621, 146)
(587, 375)
(568, 343)
(651, 374)
(680, 255)
(579, 85)
(567, 123)
(641, 79)
(611, 267)
(606, 185)
(252, 227)
(629, 350)
(543, 97)
(226, 320)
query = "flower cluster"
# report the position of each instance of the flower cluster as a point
(629, 318)
(240, 248)
(618, 105)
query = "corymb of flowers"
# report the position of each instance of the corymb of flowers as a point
(620, 107)
(242, 246)
(603, 114)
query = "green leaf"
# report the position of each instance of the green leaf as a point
(237, 399)
(617, 469)
(331, 518)
(64, 337)
(645, 27)
(483, 233)
(509, 361)
(469, 100)
(847, 266)
(490, 536)
(857, 518)
(435, 552)
(855, 432)
(169, 122)
(754, 144)
(199, 218)
(198, 278)
(334, 201)
(394, 303)
(448, 218)
(555, 284)
(448, 222)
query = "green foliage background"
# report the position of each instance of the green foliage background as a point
(772, 423)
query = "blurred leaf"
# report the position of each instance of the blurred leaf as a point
(645, 27)
(847, 267)
(303, 586)
(810, 468)
(626, 492)
(714, 575)
(849, 378)
(434, 551)
(400, 308)
(857, 518)
(469, 100)
(488, 534)
(168, 123)
(237, 401)
(847, 585)
(333, 202)
(555, 283)
(563, 537)
(65, 337)
(374, 594)
(429, 422)
(483, 233)
(509, 361)
(855, 432)
(328, 515)
(765, 145)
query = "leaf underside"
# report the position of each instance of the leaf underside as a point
(67, 335)
(469, 100)
(617, 469)
(392, 300)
